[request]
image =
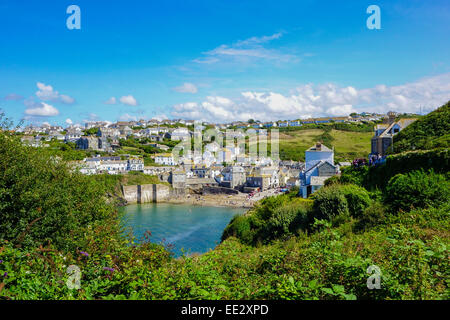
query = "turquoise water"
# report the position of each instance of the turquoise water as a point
(192, 228)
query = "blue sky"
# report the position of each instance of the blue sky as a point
(220, 60)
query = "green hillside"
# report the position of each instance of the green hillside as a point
(347, 145)
(429, 132)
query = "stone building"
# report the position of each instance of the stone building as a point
(233, 176)
(178, 179)
(261, 181)
(85, 143)
(384, 134)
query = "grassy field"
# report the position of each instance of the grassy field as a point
(347, 145)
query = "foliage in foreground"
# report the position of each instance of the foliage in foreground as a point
(286, 248)
(330, 263)
(42, 201)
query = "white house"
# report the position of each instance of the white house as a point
(180, 133)
(113, 166)
(135, 164)
(72, 135)
(108, 132)
(319, 166)
(165, 159)
(150, 131)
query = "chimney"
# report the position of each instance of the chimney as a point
(318, 146)
(391, 116)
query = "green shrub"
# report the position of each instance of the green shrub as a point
(358, 199)
(329, 202)
(417, 189)
(340, 199)
(377, 177)
(238, 227)
(371, 217)
(287, 219)
(333, 180)
(354, 175)
(272, 218)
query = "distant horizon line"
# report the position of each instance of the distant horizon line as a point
(178, 120)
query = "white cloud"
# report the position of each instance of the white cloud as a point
(186, 88)
(343, 110)
(320, 100)
(41, 109)
(47, 93)
(69, 121)
(111, 100)
(128, 100)
(247, 50)
(160, 117)
(263, 39)
(127, 117)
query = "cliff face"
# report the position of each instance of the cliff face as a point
(146, 193)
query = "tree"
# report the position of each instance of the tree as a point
(43, 200)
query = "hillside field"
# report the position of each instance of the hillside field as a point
(347, 144)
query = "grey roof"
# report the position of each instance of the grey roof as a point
(318, 164)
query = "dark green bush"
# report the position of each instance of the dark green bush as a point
(329, 202)
(273, 218)
(371, 217)
(286, 219)
(41, 200)
(333, 180)
(340, 199)
(377, 177)
(417, 189)
(238, 227)
(354, 175)
(358, 199)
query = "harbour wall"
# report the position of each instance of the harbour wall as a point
(146, 193)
